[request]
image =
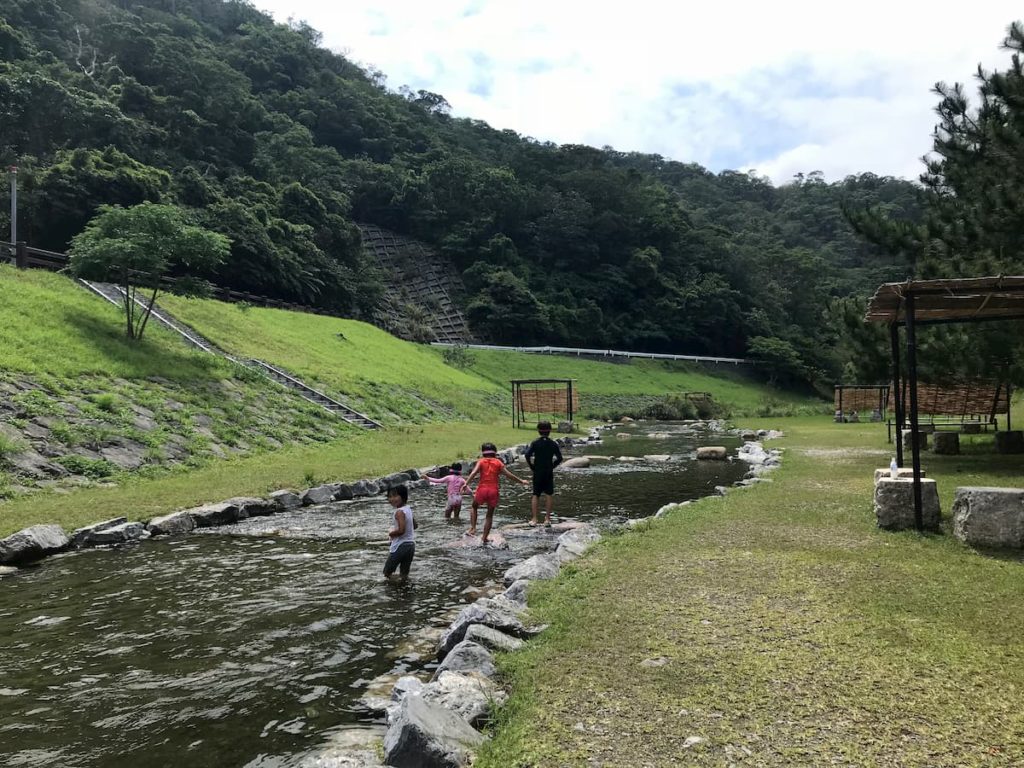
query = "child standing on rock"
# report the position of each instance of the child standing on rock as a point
(403, 536)
(543, 456)
(456, 487)
(489, 469)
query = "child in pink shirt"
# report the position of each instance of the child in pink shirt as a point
(456, 485)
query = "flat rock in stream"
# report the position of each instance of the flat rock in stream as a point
(543, 566)
(80, 537)
(426, 735)
(176, 523)
(579, 462)
(32, 544)
(494, 541)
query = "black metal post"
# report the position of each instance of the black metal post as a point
(1009, 405)
(568, 404)
(21, 255)
(894, 338)
(915, 435)
(842, 413)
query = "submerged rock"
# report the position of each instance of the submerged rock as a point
(32, 544)
(426, 735)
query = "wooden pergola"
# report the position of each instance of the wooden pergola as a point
(549, 397)
(931, 302)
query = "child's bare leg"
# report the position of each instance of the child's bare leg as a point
(456, 510)
(472, 519)
(533, 510)
(448, 512)
(487, 524)
(549, 500)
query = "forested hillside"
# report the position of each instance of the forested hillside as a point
(282, 145)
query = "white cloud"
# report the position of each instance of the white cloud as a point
(781, 87)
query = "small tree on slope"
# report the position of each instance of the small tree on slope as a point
(136, 248)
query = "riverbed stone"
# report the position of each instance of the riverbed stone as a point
(33, 543)
(712, 453)
(894, 504)
(989, 517)
(516, 592)
(405, 686)
(253, 506)
(80, 537)
(285, 500)
(174, 524)
(498, 614)
(426, 735)
(7, 570)
(579, 462)
(574, 543)
(412, 474)
(492, 638)
(343, 492)
(543, 566)
(212, 515)
(321, 494)
(469, 695)
(363, 488)
(118, 534)
(468, 656)
(393, 480)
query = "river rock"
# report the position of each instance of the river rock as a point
(543, 566)
(80, 537)
(469, 695)
(498, 614)
(175, 523)
(712, 453)
(321, 494)
(285, 500)
(212, 515)
(118, 534)
(660, 435)
(658, 458)
(426, 735)
(254, 506)
(516, 592)
(468, 657)
(413, 474)
(492, 638)
(405, 686)
(7, 570)
(752, 453)
(574, 543)
(394, 479)
(626, 420)
(363, 488)
(580, 462)
(32, 543)
(989, 517)
(343, 492)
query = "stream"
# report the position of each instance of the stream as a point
(251, 645)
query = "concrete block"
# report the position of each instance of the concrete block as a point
(946, 443)
(989, 517)
(1010, 441)
(894, 504)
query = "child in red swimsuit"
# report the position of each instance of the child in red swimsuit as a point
(489, 469)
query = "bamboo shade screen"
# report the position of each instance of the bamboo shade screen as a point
(547, 400)
(971, 398)
(855, 399)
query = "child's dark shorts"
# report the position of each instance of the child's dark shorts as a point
(400, 559)
(544, 482)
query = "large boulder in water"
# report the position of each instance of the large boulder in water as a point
(498, 614)
(544, 566)
(175, 523)
(468, 656)
(32, 544)
(469, 695)
(574, 543)
(253, 506)
(426, 735)
(363, 488)
(712, 453)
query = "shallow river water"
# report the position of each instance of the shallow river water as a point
(251, 645)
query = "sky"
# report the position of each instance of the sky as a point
(778, 87)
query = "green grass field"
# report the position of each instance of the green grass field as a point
(787, 629)
(51, 326)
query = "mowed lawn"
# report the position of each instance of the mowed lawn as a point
(779, 626)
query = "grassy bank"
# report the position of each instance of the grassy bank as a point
(785, 629)
(368, 454)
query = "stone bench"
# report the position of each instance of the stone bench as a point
(989, 517)
(894, 504)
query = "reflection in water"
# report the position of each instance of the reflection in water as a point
(252, 644)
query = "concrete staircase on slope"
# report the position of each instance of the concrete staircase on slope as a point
(116, 296)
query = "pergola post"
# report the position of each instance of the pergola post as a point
(915, 435)
(894, 338)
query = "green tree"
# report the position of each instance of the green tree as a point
(137, 248)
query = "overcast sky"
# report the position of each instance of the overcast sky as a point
(780, 87)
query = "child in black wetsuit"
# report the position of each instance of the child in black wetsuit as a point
(543, 456)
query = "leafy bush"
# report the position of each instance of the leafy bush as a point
(95, 469)
(458, 356)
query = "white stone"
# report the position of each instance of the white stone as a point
(989, 517)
